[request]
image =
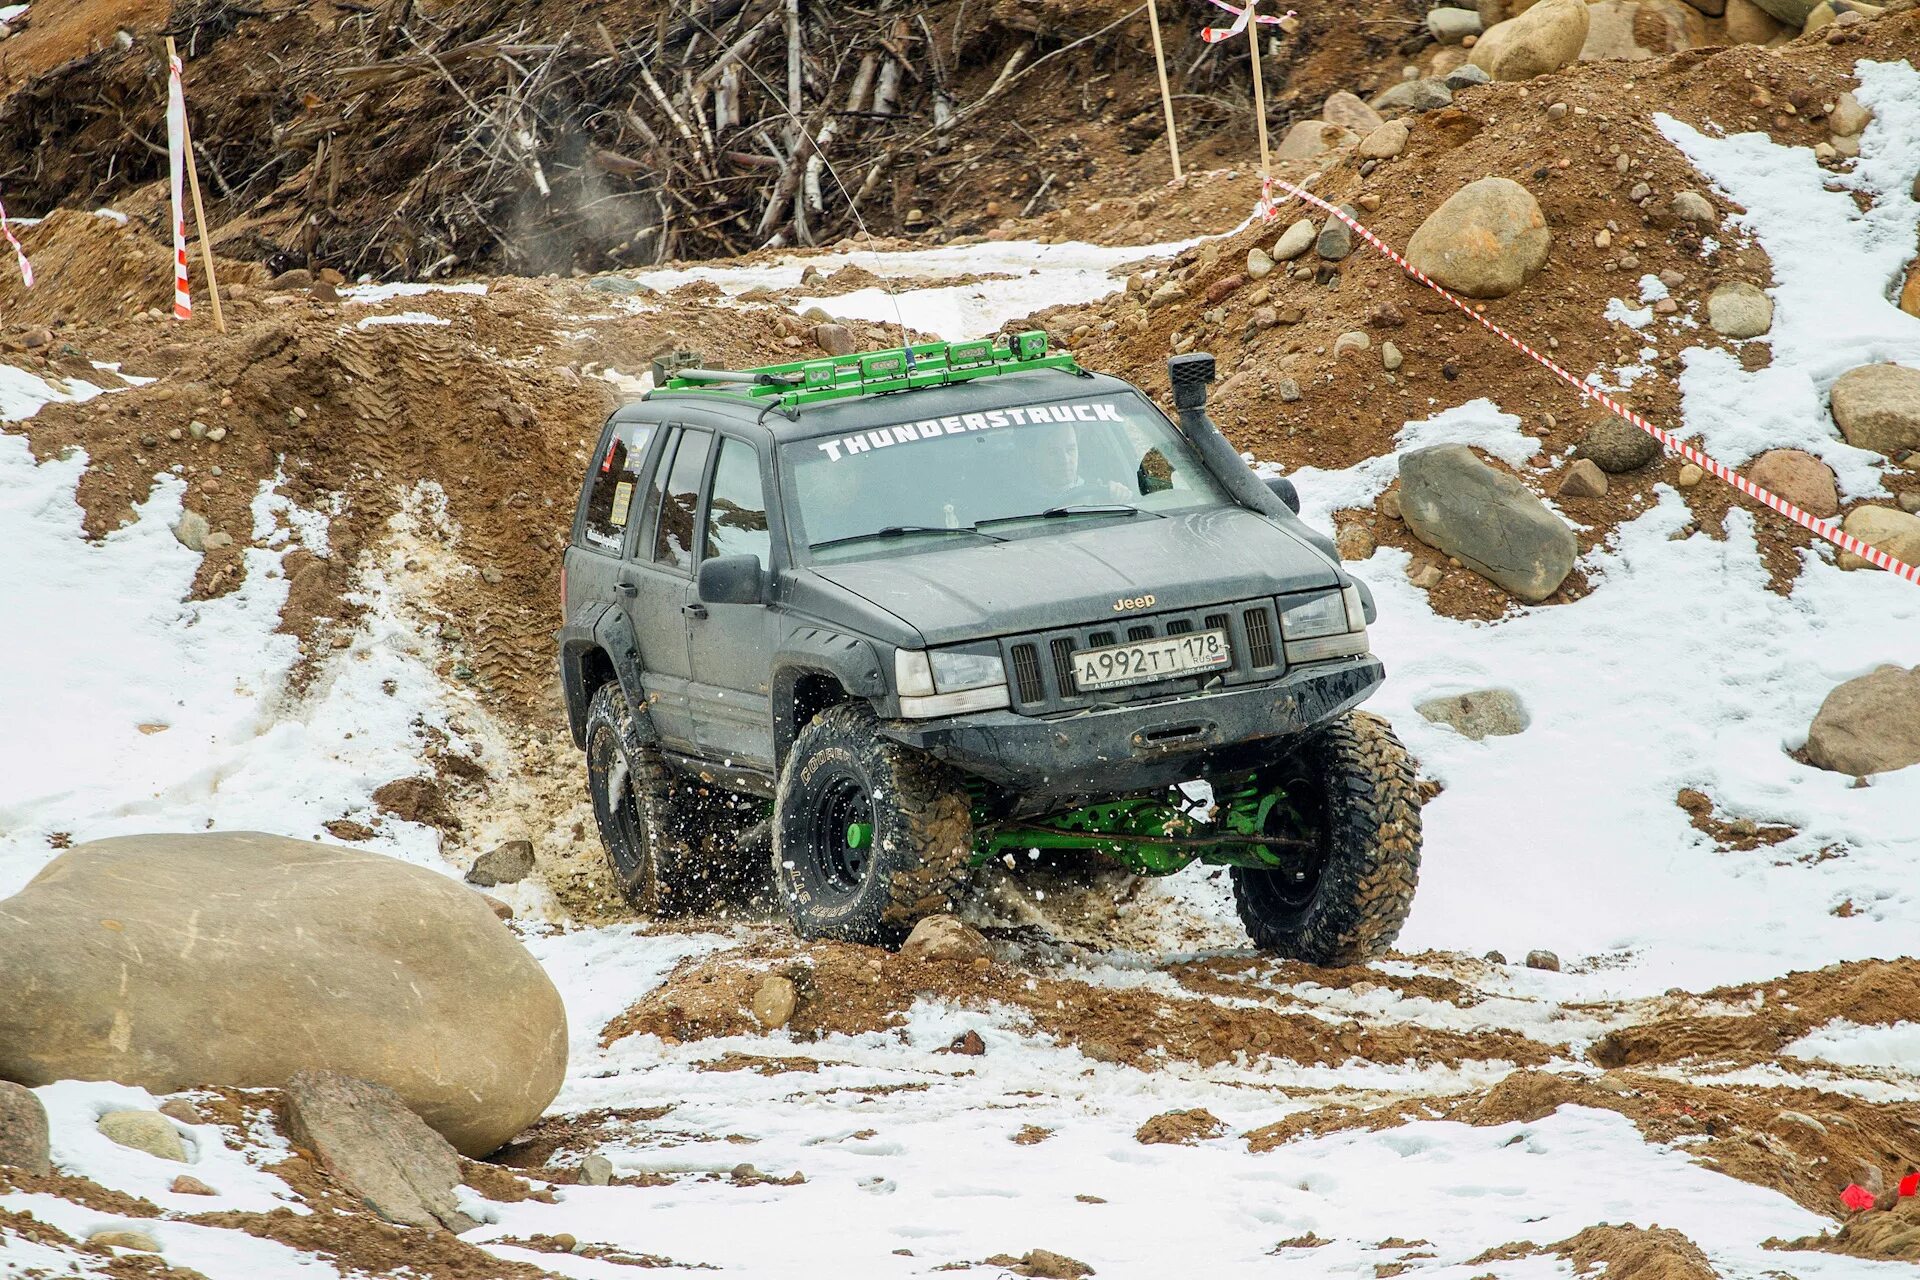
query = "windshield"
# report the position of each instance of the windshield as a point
(989, 476)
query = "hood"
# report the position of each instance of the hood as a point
(1075, 575)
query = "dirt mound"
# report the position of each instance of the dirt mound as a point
(1180, 1128)
(1581, 161)
(1887, 1235)
(851, 990)
(1636, 1253)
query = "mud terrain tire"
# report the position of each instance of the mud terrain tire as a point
(868, 836)
(658, 831)
(1360, 781)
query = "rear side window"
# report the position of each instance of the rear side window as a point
(615, 479)
(673, 543)
(737, 510)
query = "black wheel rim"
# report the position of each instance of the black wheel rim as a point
(840, 835)
(1303, 817)
(618, 811)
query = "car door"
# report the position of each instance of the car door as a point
(656, 583)
(732, 644)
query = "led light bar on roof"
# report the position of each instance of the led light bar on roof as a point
(927, 364)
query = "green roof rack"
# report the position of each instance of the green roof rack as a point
(931, 364)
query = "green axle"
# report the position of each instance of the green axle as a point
(1157, 835)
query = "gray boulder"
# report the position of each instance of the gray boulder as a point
(1877, 407)
(147, 1131)
(1869, 725)
(1451, 26)
(1739, 310)
(238, 959)
(509, 863)
(945, 938)
(1412, 96)
(23, 1129)
(1616, 445)
(365, 1136)
(1465, 76)
(1485, 241)
(1792, 12)
(1544, 38)
(1486, 519)
(1484, 713)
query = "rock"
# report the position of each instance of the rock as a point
(1910, 292)
(1739, 310)
(816, 314)
(1691, 206)
(1385, 142)
(945, 938)
(206, 974)
(1848, 117)
(217, 434)
(1171, 291)
(1336, 238)
(1544, 38)
(1910, 501)
(1484, 713)
(364, 1136)
(1487, 240)
(298, 278)
(147, 1131)
(1451, 26)
(191, 530)
(1486, 519)
(1868, 725)
(1465, 77)
(182, 1110)
(774, 1001)
(1794, 13)
(509, 863)
(1583, 480)
(1617, 446)
(1689, 476)
(1258, 263)
(834, 339)
(620, 286)
(1353, 341)
(23, 1129)
(501, 911)
(1877, 407)
(968, 1044)
(1892, 531)
(1347, 111)
(1310, 139)
(1800, 478)
(1048, 1265)
(119, 1238)
(1426, 576)
(188, 1185)
(1295, 240)
(1390, 357)
(596, 1171)
(1636, 30)
(217, 541)
(1265, 317)
(1411, 96)
(1355, 542)
(1223, 288)
(1748, 23)
(1388, 504)
(1288, 390)
(1543, 960)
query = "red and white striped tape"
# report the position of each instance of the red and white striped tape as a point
(1214, 35)
(176, 166)
(1831, 532)
(26, 268)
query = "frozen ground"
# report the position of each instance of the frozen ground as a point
(1680, 669)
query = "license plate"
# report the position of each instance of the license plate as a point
(1145, 660)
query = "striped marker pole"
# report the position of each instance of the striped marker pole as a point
(26, 268)
(177, 172)
(1821, 528)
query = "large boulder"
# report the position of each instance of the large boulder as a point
(1740, 309)
(1544, 38)
(1792, 12)
(1486, 519)
(23, 1129)
(1635, 30)
(1748, 23)
(1349, 112)
(1412, 96)
(1487, 240)
(1895, 532)
(1878, 407)
(1616, 446)
(1311, 138)
(1484, 713)
(1800, 478)
(1869, 725)
(238, 959)
(365, 1136)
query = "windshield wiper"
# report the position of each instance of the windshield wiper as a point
(1081, 509)
(901, 530)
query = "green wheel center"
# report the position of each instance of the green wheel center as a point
(859, 835)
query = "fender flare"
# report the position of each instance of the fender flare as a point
(851, 661)
(610, 634)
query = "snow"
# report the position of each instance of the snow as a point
(1895, 1047)
(403, 317)
(370, 293)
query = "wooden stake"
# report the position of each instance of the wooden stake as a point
(1166, 97)
(1259, 94)
(200, 217)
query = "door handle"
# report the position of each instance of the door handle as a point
(629, 589)
(694, 611)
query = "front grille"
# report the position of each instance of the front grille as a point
(1043, 688)
(1026, 673)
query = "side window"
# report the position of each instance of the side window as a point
(737, 509)
(673, 542)
(610, 501)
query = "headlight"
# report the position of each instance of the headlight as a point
(954, 672)
(1321, 615)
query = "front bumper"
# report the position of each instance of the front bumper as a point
(1129, 748)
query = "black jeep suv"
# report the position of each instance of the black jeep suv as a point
(916, 609)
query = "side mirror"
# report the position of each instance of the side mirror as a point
(1283, 489)
(731, 580)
